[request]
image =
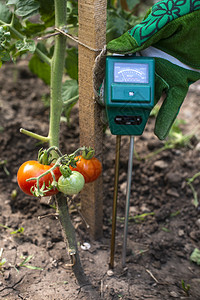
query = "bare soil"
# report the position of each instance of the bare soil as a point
(159, 245)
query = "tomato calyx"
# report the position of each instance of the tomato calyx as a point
(65, 170)
(41, 191)
(45, 156)
(88, 153)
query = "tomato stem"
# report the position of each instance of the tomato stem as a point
(78, 150)
(69, 233)
(56, 149)
(57, 68)
(42, 138)
(70, 101)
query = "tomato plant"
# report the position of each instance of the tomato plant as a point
(32, 168)
(49, 60)
(89, 168)
(72, 184)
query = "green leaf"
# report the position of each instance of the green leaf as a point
(132, 3)
(174, 214)
(19, 230)
(116, 25)
(47, 12)
(69, 89)
(72, 13)
(25, 260)
(71, 63)
(2, 262)
(25, 45)
(4, 43)
(11, 2)
(40, 68)
(33, 28)
(165, 229)
(195, 256)
(5, 14)
(26, 8)
(32, 267)
(118, 22)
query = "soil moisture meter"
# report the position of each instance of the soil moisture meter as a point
(129, 93)
(129, 98)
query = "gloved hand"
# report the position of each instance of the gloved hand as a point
(170, 34)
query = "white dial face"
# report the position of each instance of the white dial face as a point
(131, 72)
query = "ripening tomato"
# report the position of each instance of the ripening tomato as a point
(31, 169)
(72, 184)
(89, 168)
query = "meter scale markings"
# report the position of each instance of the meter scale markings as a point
(132, 73)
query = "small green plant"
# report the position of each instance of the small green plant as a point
(18, 231)
(190, 183)
(2, 260)
(195, 256)
(24, 262)
(185, 287)
(138, 218)
(165, 229)
(174, 214)
(3, 164)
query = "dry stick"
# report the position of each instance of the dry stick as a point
(154, 278)
(48, 215)
(47, 36)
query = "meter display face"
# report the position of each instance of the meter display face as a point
(131, 72)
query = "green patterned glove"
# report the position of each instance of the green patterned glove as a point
(170, 34)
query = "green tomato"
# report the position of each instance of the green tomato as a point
(71, 184)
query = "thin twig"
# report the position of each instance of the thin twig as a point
(154, 278)
(56, 215)
(47, 36)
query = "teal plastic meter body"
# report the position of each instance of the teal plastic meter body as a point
(129, 93)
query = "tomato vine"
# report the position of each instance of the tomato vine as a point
(18, 36)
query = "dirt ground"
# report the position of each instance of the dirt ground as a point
(159, 244)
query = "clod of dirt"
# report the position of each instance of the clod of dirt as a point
(160, 165)
(173, 179)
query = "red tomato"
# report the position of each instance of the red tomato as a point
(31, 169)
(89, 168)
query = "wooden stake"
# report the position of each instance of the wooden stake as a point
(92, 32)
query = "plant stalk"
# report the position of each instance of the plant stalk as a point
(57, 67)
(70, 239)
(39, 137)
